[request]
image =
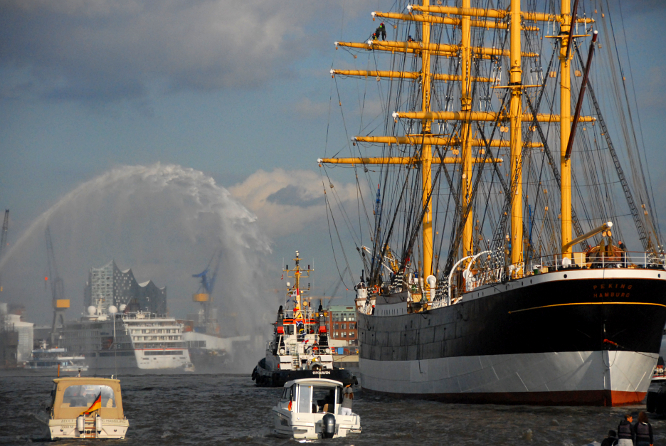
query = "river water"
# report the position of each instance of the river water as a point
(229, 409)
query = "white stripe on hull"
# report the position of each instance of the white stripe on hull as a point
(617, 371)
(141, 361)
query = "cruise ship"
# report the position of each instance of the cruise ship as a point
(127, 342)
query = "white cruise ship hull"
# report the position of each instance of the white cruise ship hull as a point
(139, 359)
(134, 342)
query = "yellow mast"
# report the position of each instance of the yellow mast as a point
(466, 108)
(297, 273)
(426, 153)
(565, 128)
(516, 112)
(515, 116)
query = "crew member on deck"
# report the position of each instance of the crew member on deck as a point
(623, 247)
(643, 430)
(626, 432)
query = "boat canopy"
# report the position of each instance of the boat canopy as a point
(315, 382)
(73, 396)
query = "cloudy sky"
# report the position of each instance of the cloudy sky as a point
(238, 91)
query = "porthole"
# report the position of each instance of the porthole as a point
(565, 276)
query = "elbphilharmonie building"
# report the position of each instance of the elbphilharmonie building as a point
(109, 285)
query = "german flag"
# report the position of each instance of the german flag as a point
(96, 405)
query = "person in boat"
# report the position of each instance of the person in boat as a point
(643, 431)
(347, 397)
(625, 431)
(326, 404)
(381, 31)
(611, 439)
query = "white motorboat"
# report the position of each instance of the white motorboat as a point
(310, 409)
(86, 408)
(45, 358)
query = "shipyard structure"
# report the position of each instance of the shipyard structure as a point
(109, 285)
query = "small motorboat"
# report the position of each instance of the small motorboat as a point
(86, 408)
(310, 409)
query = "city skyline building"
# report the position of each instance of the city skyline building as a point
(109, 285)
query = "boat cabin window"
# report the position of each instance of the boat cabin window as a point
(305, 399)
(289, 329)
(325, 399)
(317, 399)
(287, 394)
(85, 395)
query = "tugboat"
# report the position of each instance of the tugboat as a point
(299, 348)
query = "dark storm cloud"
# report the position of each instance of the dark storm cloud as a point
(107, 50)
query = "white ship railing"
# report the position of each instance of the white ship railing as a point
(541, 265)
(558, 262)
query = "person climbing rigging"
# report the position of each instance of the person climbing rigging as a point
(381, 31)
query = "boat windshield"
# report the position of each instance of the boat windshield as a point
(85, 395)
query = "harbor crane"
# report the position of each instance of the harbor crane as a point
(204, 293)
(3, 239)
(60, 304)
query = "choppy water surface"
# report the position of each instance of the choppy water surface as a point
(224, 409)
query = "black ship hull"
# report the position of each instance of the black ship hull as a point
(264, 377)
(567, 337)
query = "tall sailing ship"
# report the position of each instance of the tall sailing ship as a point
(493, 202)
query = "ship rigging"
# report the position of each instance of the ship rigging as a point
(478, 216)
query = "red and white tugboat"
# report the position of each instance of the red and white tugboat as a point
(299, 347)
